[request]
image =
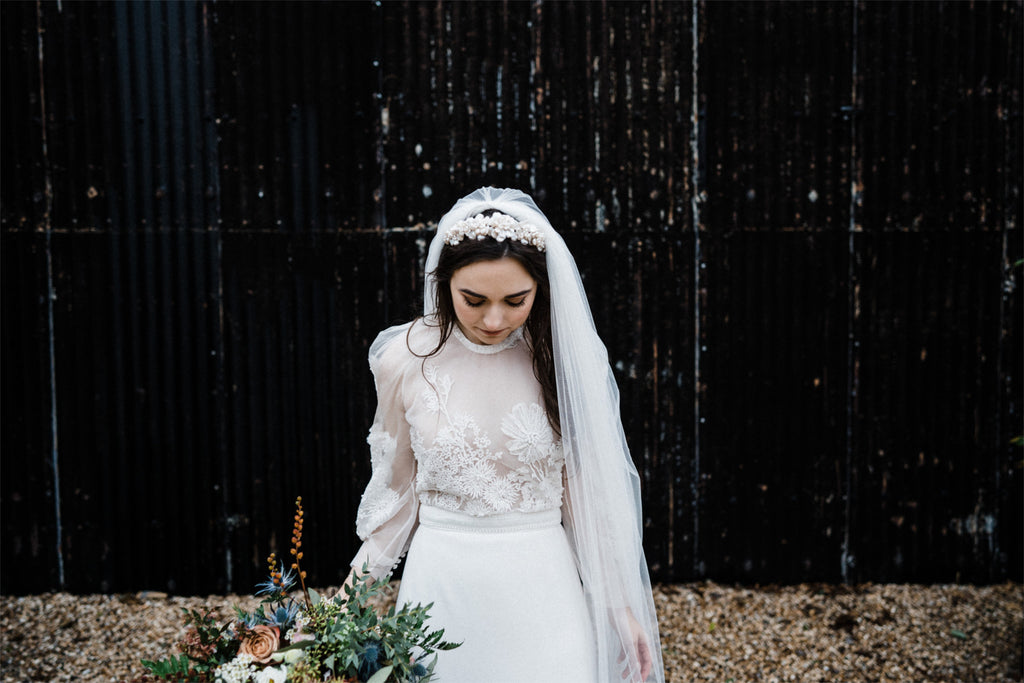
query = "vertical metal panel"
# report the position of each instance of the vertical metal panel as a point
(137, 406)
(1011, 361)
(28, 503)
(584, 106)
(29, 538)
(775, 101)
(298, 120)
(134, 310)
(932, 134)
(22, 163)
(773, 376)
(927, 437)
(1009, 491)
(927, 459)
(131, 139)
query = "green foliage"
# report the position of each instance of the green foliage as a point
(204, 648)
(354, 641)
(214, 647)
(171, 668)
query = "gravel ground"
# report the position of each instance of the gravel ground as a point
(709, 632)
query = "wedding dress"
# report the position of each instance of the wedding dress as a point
(468, 476)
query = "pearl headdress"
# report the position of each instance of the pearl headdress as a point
(499, 226)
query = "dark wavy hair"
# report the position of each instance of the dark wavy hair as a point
(538, 324)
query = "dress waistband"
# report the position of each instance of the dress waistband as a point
(437, 518)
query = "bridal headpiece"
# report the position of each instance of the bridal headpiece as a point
(499, 226)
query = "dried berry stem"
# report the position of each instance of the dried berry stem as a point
(297, 551)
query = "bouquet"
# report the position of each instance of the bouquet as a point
(289, 640)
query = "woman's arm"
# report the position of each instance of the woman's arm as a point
(388, 510)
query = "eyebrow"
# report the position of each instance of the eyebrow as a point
(470, 292)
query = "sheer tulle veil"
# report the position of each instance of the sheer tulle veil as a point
(605, 527)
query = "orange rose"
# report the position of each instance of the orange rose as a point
(261, 642)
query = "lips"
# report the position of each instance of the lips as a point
(485, 333)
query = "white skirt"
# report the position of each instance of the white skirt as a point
(506, 586)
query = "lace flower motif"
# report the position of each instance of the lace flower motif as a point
(379, 499)
(529, 433)
(477, 478)
(544, 492)
(502, 494)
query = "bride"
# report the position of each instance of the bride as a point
(500, 466)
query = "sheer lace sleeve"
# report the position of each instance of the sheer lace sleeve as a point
(388, 509)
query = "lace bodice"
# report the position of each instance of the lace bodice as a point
(463, 430)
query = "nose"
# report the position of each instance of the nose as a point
(493, 319)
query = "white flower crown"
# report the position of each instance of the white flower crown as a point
(499, 226)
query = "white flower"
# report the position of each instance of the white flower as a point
(528, 431)
(238, 670)
(542, 493)
(477, 478)
(290, 656)
(501, 494)
(272, 674)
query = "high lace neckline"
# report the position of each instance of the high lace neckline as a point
(487, 349)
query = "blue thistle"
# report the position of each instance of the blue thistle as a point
(270, 587)
(370, 655)
(287, 579)
(252, 620)
(267, 587)
(284, 617)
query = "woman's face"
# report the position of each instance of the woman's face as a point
(492, 299)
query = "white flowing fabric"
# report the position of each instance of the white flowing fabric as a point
(605, 521)
(506, 587)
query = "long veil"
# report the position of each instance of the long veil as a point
(605, 525)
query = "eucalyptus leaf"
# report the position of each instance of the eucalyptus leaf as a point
(382, 675)
(301, 645)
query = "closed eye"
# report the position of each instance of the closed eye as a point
(516, 304)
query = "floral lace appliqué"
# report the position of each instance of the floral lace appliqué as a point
(461, 471)
(528, 432)
(379, 499)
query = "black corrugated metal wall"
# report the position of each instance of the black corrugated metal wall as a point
(797, 222)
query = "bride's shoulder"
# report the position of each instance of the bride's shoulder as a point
(396, 346)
